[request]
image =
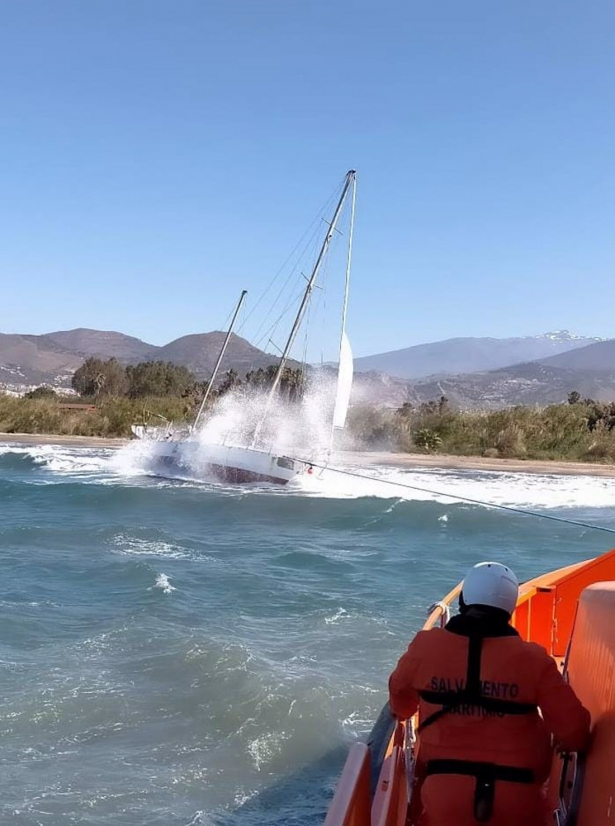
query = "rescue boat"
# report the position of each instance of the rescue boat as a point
(569, 611)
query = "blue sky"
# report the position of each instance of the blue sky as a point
(157, 157)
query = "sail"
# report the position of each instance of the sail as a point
(344, 383)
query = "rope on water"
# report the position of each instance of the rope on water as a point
(468, 499)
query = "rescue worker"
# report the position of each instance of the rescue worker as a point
(484, 749)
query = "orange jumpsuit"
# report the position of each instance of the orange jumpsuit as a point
(508, 734)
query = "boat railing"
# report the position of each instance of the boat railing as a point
(439, 612)
(390, 804)
(378, 744)
(547, 605)
(351, 803)
(570, 789)
(586, 785)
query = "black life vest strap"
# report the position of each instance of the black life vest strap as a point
(459, 698)
(486, 775)
(471, 694)
(475, 651)
(512, 774)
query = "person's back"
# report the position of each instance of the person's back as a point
(483, 744)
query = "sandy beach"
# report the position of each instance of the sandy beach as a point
(445, 462)
(365, 458)
(51, 439)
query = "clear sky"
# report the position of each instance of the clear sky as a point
(156, 157)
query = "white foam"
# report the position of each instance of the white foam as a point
(62, 459)
(133, 459)
(162, 582)
(242, 796)
(335, 618)
(264, 748)
(523, 490)
(133, 546)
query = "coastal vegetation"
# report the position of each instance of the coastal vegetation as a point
(113, 397)
(98, 379)
(579, 430)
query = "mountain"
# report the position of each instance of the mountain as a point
(100, 343)
(24, 361)
(28, 360)
(531, 384)
(52, 358)
(599, 358)
(534, 383)
(467, 355)
(199, 353)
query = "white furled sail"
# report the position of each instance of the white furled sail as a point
(344, 383)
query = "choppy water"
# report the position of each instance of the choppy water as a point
(173, 652)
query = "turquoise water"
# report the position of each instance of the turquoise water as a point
(174, 652)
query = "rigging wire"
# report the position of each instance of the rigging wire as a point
(472, 501)
(258, 335)
(306, 333)
(316, 299)
(269, 332)
(311, 230)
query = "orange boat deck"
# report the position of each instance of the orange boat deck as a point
(571, 612)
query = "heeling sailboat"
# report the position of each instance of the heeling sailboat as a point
(260, 461)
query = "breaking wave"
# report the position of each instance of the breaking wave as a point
(135, 464)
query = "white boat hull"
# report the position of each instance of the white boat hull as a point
(228, 463)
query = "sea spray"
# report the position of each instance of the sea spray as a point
(303, 426)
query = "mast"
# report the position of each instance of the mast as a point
(346, 290)
(350, 177)
(220, 357)
(349, 257)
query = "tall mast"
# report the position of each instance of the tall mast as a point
(350, 177)
(346, 290)
(220, 357)
(349, 257)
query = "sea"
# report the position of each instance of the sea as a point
(175, 652)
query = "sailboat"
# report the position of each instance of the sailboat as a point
(259, 460)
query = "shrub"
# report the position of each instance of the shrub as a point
(509, 443)
(427, 439)
(42, 392)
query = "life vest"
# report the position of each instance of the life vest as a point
(486, 774)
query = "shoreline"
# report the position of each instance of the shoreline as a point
(55, 439)
(451, 462)
(367, 458)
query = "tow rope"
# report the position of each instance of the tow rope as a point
(468, 499)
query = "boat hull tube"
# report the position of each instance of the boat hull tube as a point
(233, 464)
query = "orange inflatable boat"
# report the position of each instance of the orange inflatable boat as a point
(571, 612)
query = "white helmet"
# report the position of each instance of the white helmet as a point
(491, 583)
